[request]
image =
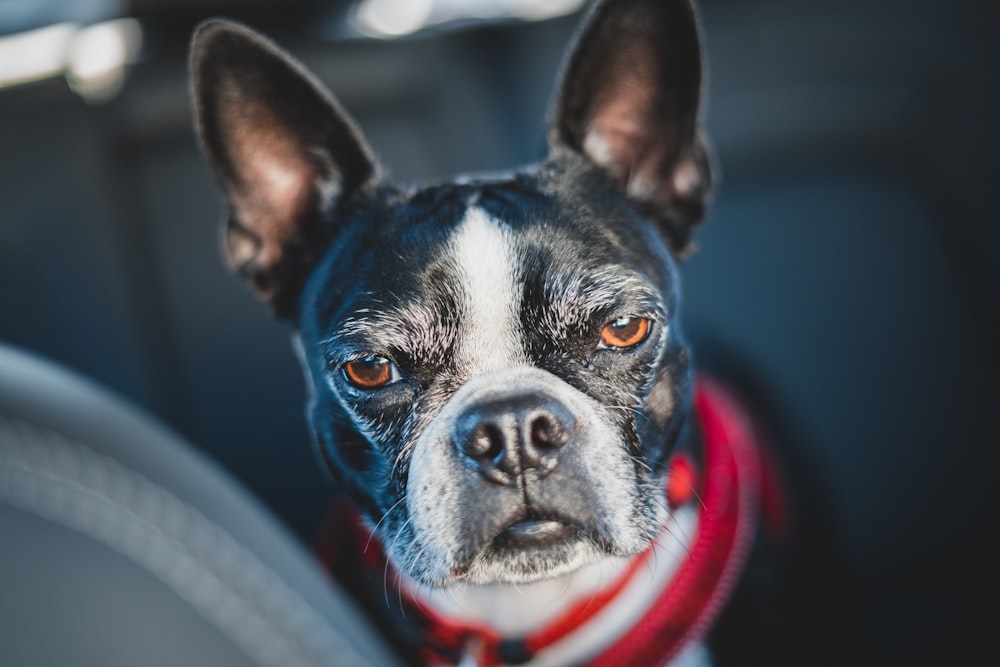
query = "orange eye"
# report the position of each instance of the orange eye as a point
(625, 332)
(369, 372)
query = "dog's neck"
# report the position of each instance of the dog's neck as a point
(516, 610)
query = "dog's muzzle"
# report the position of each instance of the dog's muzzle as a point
(519, 477)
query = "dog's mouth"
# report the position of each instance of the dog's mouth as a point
(530, 548)
(534, 533)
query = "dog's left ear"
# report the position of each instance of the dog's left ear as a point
(288, 157)
(629, 101)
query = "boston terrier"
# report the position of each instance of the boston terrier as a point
(498, 379)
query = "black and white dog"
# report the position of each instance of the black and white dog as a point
(497, 374)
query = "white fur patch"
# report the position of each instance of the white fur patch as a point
(597, 146)
(484, 257)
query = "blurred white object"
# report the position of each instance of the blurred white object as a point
(395, 18)
(92, 58)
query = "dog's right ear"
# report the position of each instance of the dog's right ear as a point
(288, 157)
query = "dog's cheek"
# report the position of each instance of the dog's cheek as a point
(666, 405)
(432, 502)
(357, 468)
(620, 380)
(356, 454)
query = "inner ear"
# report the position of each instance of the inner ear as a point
(275, 176)
(626, 127)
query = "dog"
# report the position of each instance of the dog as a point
(498, 379)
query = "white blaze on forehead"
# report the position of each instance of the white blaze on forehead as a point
(484, 258)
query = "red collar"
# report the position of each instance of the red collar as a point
(729, 494)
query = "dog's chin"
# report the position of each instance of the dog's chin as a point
(505, 563)
(528, 551)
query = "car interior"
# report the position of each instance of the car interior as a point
(157, 481)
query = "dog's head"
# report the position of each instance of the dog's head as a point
(496, 370)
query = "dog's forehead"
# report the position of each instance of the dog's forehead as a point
(488, 231)
(450, 269)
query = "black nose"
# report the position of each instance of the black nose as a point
(506, 438)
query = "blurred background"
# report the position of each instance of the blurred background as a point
(850, 265)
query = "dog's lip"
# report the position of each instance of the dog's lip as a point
(536, 528)
(532, 532)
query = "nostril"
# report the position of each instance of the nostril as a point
(485, 443)
(548, 433)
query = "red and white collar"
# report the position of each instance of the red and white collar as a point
(721, 503)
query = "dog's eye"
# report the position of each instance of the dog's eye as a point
(370, 372)
(624, 332)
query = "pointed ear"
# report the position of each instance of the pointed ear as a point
(287, 156)
(629, 101)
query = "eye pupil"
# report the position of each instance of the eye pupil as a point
(625, 332)
(369, 372)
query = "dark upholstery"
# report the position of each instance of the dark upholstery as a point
(123, 546)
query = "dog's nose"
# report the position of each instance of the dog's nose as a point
(506, 438)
